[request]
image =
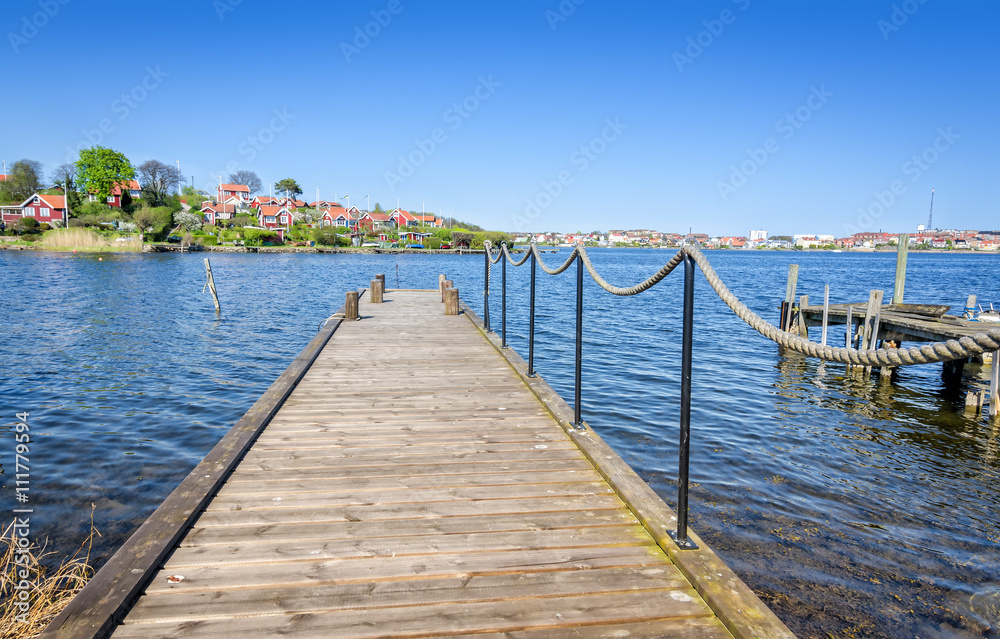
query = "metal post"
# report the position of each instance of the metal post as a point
(680, 536)
(503, 299)
(531, 320)
(577, 419)
(486, 290)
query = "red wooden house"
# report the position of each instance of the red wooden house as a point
(115, 199)
(44, 208)
(218, 213)
(370, 221)
(277, 218)
(240, 192)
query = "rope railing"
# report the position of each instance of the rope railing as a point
(689, 255)
(953, 349)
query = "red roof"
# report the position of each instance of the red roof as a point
(219, 208)
(236, 188)
(3, 178)
(378, 217)
(132, 186)
(54, 201)
(270, 210)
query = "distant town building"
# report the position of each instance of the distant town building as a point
(758, 235)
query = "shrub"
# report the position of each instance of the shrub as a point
(27, 224)
(433, 242)
(260, 235)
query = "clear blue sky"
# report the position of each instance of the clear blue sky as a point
(867, 90)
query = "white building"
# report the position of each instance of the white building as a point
(758, 235)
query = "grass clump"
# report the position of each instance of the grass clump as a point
(46, 591)
(83, 240)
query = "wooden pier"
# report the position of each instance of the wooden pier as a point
(406, 478)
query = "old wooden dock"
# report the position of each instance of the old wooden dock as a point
(406, 478)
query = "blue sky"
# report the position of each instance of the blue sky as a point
(828, 116)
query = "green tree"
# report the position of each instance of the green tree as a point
(289, 187)
(25, 179)
(100, 170)
(378, 209)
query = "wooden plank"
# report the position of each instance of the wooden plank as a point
(393, 512)
(334, 499)
(995, 385)
(429, 620)
(280, 552)
(104, 600)
(202, 535)
(411, 451)
(178, 607)
(902, 251)
(374, 569)
(340, 472)
(443, 462)
(826, 312)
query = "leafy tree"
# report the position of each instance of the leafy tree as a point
(195, 197)
(189, 221)
(461, 238)
(100, 170)
(289, 187)
(378, 209)
(248, 179)
(158, 180)
(24, 179)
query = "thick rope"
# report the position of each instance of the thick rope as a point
(926, 354)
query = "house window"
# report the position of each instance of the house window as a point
(43, 212)
(111, 198)
(284, 219)
(269, 219)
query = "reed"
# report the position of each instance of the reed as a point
(49, 590)
(84, 240)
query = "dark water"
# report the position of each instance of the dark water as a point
(853, 508)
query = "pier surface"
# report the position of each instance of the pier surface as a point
(417, 483)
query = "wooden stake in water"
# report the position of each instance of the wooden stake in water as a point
(901, 252)
(210, 284)
(995, 385)
(793, 279)
(826, 312)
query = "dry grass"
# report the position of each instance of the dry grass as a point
(84, 240)
(48, 592)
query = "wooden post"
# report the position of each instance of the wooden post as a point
(826, 312)
(974, 401)
(793, 280)
(378, 287)
(970, 307)
(441, 279)
(351, 306)
(451, 301)
(381, 277)
(869, 333)
(803, 329)
(995, 385)
(901, 253)
(211, 286)
(848, 337)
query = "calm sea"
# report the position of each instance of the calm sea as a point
(852, 507)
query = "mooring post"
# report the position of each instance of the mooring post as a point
(970, 308)
(901, 252)
(870, 332)
(995, 385)
(577, 413)
(849, 335)
(680, 536)
(211, 286)
(381, 277)
(826, 312)
(486, 290)
(531, 318)
(377, 289)
(793, 279)
(803, 329)
(451, 301)
(351, 306)
(441, 279)
(503, 297)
